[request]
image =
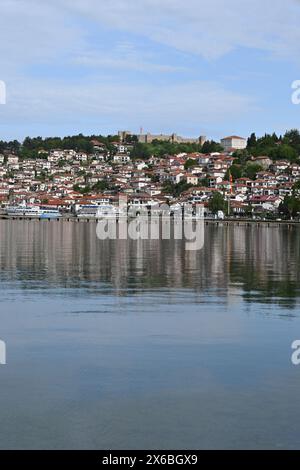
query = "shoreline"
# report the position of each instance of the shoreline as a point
(226, 222)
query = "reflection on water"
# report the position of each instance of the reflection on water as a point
(261, 262)
(126, 344)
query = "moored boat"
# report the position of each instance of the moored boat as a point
(23, 210)
(32, 211)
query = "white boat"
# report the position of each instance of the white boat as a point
(87, 212)
(108, 211)
(49, 213)
(23, 210)
(31, 210)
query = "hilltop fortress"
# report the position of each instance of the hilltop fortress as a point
(174, 138)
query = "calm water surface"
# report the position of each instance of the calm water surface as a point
(115, 344)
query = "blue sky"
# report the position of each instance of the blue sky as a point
(193, 67)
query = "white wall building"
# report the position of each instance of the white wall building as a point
(122, 158)
(233, 142)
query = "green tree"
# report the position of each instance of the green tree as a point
(296, 188)
(290, 206)
(284, 152)
(217, 203)
(211, 146)
(131, 139)
(141, 150)
(251, 142)
(251, 170)
(235, 171)
(175, 189)
(241, 157)
(292, 138)
(101, 185)
(190, 163)
(205, 182)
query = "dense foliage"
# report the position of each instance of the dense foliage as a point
(286, 147)
(277, 148)
(217, 203)
(31, 146)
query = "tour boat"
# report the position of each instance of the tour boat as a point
(32, 211)
(23, 210)
(49, 213)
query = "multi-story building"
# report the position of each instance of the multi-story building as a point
(233, 142)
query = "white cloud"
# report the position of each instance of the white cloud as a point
(124, 56)
(210, 28)
(196, 103)
(62, 34)
(32, 32)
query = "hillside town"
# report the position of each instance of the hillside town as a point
(223, 176)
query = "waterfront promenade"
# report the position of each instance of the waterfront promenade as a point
(207, 221)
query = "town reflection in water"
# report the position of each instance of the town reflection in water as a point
(261, 262)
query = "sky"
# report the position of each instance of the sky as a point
(194, 67)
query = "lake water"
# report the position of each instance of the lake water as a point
(141, 344)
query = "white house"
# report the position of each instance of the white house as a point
(122, 158)
(12, 160)
(192, 179)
